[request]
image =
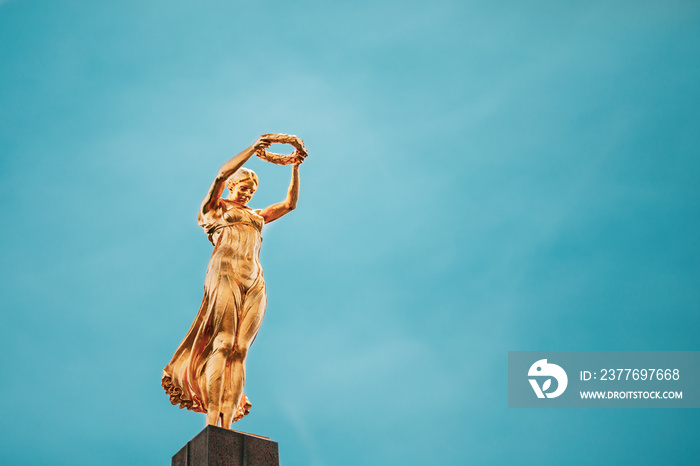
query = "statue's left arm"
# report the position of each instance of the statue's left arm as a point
(276, 211)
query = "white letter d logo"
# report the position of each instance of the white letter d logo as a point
(542, 368)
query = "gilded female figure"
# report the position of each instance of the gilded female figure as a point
(207, 372)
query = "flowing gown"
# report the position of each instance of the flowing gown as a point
(234, 298)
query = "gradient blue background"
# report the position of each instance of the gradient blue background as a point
(484, 177)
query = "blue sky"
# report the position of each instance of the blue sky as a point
(484, 177)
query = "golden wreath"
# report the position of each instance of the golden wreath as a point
(279, 159)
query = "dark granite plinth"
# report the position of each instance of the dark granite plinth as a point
(215, 446)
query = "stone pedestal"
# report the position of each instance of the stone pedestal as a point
(215, 446)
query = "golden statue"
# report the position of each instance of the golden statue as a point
(207, 372)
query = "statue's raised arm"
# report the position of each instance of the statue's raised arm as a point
(276, 211)
(212, 200)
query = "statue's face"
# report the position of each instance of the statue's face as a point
(243, 191)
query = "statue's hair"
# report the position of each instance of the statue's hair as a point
(241, 174)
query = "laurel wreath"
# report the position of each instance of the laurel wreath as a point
(279, 159)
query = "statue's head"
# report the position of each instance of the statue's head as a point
(242, 185)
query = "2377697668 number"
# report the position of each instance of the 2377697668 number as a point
(639, 374)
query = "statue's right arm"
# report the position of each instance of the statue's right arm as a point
(211, 200)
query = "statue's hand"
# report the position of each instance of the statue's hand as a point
(299, 159)
(300, 155)
(261, 143)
